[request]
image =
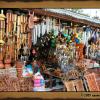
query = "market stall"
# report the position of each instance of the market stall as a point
(47, 48)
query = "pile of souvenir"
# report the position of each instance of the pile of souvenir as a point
(8, 83)
(13, 33)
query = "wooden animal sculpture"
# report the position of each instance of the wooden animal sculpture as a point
(31, 19)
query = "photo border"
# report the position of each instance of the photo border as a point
(51, 4)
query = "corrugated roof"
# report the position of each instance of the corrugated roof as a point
(75, 15)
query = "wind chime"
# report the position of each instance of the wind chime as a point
(24, 36)
(21, 39)
(23, 30)
(19, 35)
(31, 25)
(9, 34)
(2, 31)
(14, 35)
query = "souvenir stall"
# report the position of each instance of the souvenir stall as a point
(12, 34)
(46, 49)
(70, 46)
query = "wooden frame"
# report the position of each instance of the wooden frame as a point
(45, 95)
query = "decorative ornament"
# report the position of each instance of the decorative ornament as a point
(77, 40)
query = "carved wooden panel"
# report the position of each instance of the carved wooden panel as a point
(93, 82)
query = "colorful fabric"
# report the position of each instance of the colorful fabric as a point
(39, 89)
(39, 83)
(27, 71)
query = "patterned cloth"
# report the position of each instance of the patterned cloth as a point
(39, 83)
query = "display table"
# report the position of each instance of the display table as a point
(50, 76)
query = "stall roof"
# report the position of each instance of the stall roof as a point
(73, 14)
(69, 16)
